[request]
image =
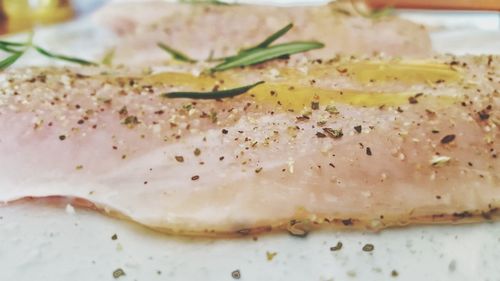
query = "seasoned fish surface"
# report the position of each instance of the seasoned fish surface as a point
(203, 31)
(345, 143)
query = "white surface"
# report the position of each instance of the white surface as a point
(45, 243)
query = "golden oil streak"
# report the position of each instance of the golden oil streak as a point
(297, 96)
(406, 72)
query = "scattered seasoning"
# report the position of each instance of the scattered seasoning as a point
(314, 105)
(447, 139)
(321, 123)
(123, 111)
(179, 159)
(438, 160)
(236, 274)
(114, 237)
(320, 135)
(331, 109)
(483, 115)
(270, 255)
(358, 129)
(303, 118)
(347, 222)
(197, 152)
(368, 151)
(333, 133)
(213, 116)
(118, 273)
(195, 178)
(62, 137)
(258, 170)
(298, 228)
(131, 121)
(336, 247)
(368, 248)
(434, 131)
(394, 273)
(224, 131)
(79, 167)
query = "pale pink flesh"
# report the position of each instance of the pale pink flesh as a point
(142, 180)
(201, 31)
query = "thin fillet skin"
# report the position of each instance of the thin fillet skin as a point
(203, 31)
(263, 160)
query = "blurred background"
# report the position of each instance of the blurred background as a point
(19, 15)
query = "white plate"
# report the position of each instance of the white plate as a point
(41, 243)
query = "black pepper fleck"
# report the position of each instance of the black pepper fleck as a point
(447, 139)
(118, 273)
(320, 135)
(236, 274)
(336, 247)
(368, 248)
(314, 105)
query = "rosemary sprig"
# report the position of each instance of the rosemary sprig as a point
(380, 13)
(269, 40)
(175, 54)
(263, 44)
(8, 49)
(8, 61)
(212, 95)
(16, 44)
(374, 14)
(13, 47)
(62, 57)
(108, 57)
(16, 54)
(260, 55)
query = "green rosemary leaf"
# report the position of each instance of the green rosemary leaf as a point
(271, 38)
(63, 57)
(175, 54)
(8, 48)
(373, 14)
(212, 95)
(16, 44)
(108, 57)
(10, 60)
(264, 44)
(384, 12)
(264, 54)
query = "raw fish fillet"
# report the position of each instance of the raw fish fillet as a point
(345, 143)
(202, 31)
